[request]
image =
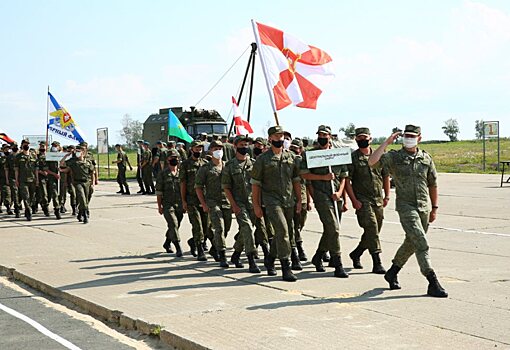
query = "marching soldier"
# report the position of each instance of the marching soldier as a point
(159, 160)
(139, 177)
(274, 177)
(11, 179)
(214, 202)
(41, 178)
(47, 180)
(190, 202)
(182, 150)
(94, 177)
(4, 180)
(122, 163)
(415, 177)
(169, 201)
(24, 168)
(324, 197)
(146, 166)
(66, 184)
(365, 188)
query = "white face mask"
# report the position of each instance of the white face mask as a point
(410, 142)
(54, 149)
(218, 154)
(78, 154)
(286, 144)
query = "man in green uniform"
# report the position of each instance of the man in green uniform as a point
(235, 180)
(66, 184)
(229, 150)
(190, 202)
(274, 178)
(24, 168)
(365, 188)
(139, 156)
(169, 201)
(94, 178)
(4, 180)
(122, 163)
(415, 177)
(159, 159)
(47, 180)
(213, 201)
(11, 179)
(81, 170)
(146, 165)
(182, 150)
(324, 195)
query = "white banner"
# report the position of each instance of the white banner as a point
(491, 129)
(36, 139)
(102, 140)
(55, 156)
(328, 157)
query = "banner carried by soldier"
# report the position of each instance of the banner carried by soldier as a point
(61, 123)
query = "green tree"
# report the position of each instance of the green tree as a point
(451, 129)
(479, 129)
(131, 130)
(348, 130)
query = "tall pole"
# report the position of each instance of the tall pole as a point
(483, 138)
(498, 147)
(47, 113)
(253, 50)
(264, 69)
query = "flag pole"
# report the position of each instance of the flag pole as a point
(47, 113)
(271, 97)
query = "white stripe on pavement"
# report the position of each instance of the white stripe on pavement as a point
(39, 327)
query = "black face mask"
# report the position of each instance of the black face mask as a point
(323, 141)
(277, 144)
(294, 151)
(15, 149)
(242, 150)
(26, 147)
(173, 161)
(42, 150)
(257, 151)
(362, 143)
(196, 154)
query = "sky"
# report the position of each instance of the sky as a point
(396, 62)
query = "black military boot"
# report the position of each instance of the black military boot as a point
(73, 207)
(435, 289)
(294, 257)
(34, 209)
(377, 266)
(355, 256)
(121, 190)
(16, 212)
(214, 253)
(57, 214)
(85, 217)
(126, 192)
(1, 211)
(287, 274)
(178, 250)
(200, 253)
(223, 259)
(301, 252)
(28, 214)
(167, 246)
(235, 259)
(339, 269)
(391, 277)
(253, 268)
(192, 247)
(9, 211)
(326, 257)
(204, 244)
(46, 211)
(269, 265)
(80, 214)
(317, 262)
(63, 209)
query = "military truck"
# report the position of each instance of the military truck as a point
(195, 121)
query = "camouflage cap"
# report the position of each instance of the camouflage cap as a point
(286, 133)
(147, 143)
(216, 143)
(412, 129)
(240, 138)
(277, 129)
(197, 143)
(296, 143)
(55, 143)
(42, 143)
(5, 145)
(117, 145)
(71, 147)
(139, 141)
(25, 141)
(159, 142)
(78, 147)
(84, 144)
(362, 131)
(324, 128)
(260, 140)
(173, 153)
(171, 142)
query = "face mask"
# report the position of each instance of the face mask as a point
(257, 151)
(362, 143)
(15, 149)
(42, 150)
(293, 150)
(54, 149)
(286, 144)
(277, 143)
(242, 150)
(323, 141)
(410, 142)
(218, 154)
(173, 161)
(196, 154)
(78, 154)
(26, 147)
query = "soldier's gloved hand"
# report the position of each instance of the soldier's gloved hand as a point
(356, 204)
(258, 211)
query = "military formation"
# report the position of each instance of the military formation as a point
(265, 184)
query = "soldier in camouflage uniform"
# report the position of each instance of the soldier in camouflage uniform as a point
(159, 159)
(47, 180)
(182, 150)
(169, 201)
(66, 185)
(214, 202)
(146, 165)
(4, 180)
(235, 180)
(122, 164)
(11, 177)
(274, 179)
(324, 197)
(94, 178)
(25, 167)
(365, 188)
(415, 177)
(41, 177)
(190, 203)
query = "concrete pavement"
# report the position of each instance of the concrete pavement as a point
(114, 268)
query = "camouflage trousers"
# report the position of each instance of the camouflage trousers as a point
(147, 178)
(14, 194)
(370, 218)
(173, 216)
(67, 187)
(42, 192)
(199, 224)
(6, 193)
(27, 191)
(281, 220)
(330, 239)
(299, 223)
(221, 221)
(82, 194)
(415, 224)
(121, 177)
(247, 222)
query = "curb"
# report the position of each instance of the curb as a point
(100, 312)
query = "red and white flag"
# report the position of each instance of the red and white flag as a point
(242, 126)
(295, 72)
(5, 138)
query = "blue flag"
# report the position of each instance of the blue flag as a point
(176, 129)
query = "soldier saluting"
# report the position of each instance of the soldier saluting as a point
(415, 177)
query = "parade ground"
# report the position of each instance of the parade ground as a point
(115, 269)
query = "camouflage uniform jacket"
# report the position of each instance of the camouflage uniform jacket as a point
(236, 176)
(367, 182)
(208, 178)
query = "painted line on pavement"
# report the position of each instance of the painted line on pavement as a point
(39, 327)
